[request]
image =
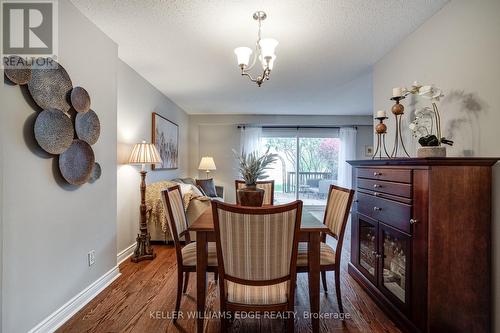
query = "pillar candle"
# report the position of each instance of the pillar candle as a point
(397, 92)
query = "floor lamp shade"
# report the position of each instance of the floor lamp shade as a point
(144, 153)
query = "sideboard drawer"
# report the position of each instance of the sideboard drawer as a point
(390, 212)
(392, 175)
(398, 189)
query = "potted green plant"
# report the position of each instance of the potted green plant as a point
(252, 168)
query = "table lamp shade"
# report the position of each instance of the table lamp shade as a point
(207, 163)
(144, 153)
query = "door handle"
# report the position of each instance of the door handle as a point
(413, 221)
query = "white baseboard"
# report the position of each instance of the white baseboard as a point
(125, 254)
(65, 312)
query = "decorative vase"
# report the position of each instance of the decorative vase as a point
(250, 196)
(438, 151)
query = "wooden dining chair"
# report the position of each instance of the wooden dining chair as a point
(257, 251)
(186, 255)
(336, 215)
(266, 185)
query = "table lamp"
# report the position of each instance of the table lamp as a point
(144, 153)
(207, 163)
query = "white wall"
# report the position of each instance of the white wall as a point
(217, 135)
(49, 226)
(137, 100)
(458, 49)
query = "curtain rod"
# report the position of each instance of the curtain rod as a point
(299, 127)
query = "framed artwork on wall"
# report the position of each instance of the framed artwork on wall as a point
(166, 139)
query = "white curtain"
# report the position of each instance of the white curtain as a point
(250, 139)
(347, 152)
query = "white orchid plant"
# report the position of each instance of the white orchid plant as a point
(419, 126)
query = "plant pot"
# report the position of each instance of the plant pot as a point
(250, 196)
(438, 151)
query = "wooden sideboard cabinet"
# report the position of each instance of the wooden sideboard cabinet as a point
(421, 241)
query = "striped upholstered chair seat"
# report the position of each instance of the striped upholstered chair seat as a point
(327, 254)
(257, 295)
(185, 255)
(257, 255)
(189, 254)
(336, 215)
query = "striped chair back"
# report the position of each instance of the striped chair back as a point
(175, 215)
(266, 185)
(337, 209)
(256, 244)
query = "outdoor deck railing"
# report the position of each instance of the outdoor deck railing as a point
(304, 177)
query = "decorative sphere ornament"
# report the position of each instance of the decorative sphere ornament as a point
(398, 109)
(381, 128)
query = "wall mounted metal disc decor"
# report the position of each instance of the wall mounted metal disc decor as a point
(18, 71)
(50, 88)
(77, 162)
(96, 173)
(80, 99)
(54, 131)
(88, 127)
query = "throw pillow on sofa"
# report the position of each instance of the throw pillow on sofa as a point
(207, 186)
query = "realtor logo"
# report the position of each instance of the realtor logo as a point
(29, 28)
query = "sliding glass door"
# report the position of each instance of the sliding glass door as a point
(318, 165)
(284, 168)
(313, 152)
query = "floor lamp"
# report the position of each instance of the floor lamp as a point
(144, 153)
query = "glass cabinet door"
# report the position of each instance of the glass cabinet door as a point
(367, 262)
(394, 264)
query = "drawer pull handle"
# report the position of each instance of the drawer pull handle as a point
(377, 174)
(377, 186)
(376, 194)
(378, 256)
(377, 209)
(413, 221)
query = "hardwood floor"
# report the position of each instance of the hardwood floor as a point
(141, 299)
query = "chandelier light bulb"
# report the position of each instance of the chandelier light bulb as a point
(267, 47)
(243, 55)
(269, 65)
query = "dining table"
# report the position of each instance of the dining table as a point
(311, 230)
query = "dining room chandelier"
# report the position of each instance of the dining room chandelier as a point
(264, 53)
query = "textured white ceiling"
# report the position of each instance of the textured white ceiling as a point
(324, 59)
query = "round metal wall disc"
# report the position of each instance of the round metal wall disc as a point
(77, 162)
(53, 131)
(17, 70)
(96, 172)
(50, 88)
(80, 99)
(88, 127)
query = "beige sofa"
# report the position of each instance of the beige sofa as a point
(194, 206)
